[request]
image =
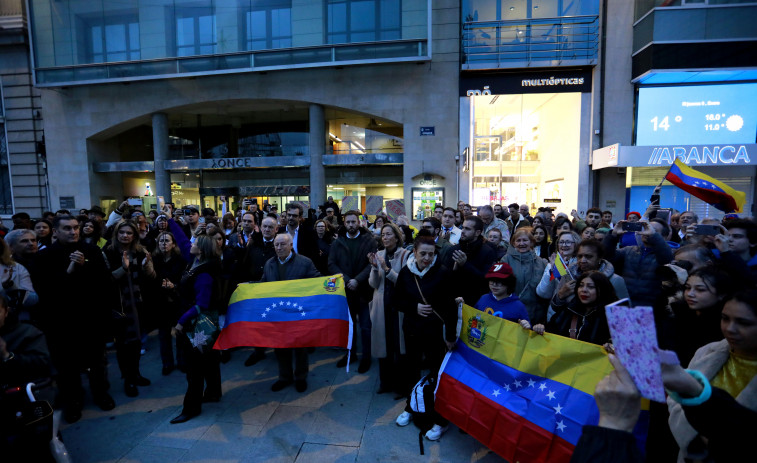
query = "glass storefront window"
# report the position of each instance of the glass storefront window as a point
(525, 149)
(362, 136)
(362, 191)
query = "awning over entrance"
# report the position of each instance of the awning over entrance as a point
(657, 156)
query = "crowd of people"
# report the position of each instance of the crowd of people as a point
(164, 269)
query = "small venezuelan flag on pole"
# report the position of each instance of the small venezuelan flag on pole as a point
(706, 188)
(559, 268)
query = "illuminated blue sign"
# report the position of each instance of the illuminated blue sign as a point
(700, 114)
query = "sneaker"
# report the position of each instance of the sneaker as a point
(436, 432)
(404, 419)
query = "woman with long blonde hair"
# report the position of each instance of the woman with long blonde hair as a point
(132, 270)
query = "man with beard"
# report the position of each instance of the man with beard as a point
(470, 260)
(434, 227)
(349, 256)
(76, 332)
(500, 212)
(303, 238)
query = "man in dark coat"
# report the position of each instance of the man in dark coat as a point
(76, 332)
(303, 238)
(258, 251)
(349, 256)
(470, 260)
(244, 234)
(638, 264)
(288, 265)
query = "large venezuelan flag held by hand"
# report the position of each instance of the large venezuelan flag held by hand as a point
(706, 188)
(310, 312)
(524, 396)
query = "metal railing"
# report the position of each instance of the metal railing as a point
(566, 41)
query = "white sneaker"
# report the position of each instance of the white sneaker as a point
(436, 432)
(404, 419)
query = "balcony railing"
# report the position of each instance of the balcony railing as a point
(566, 41)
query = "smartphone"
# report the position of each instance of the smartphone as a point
(664, 213)
(707, 230)
(161, 202)
(632, 226)
(201, 220)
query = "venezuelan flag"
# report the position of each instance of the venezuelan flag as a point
(559, 269)
(525, 396)
(296, 313)
(706, 188)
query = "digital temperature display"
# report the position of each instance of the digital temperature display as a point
(694, 115)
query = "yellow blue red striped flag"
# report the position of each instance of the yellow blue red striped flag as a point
(310, 312)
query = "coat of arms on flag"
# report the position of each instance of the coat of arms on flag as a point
(525, 396)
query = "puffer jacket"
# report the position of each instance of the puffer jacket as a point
(637, 265)
(528, 269)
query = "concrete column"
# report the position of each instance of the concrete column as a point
(160, 153)
(317, 149)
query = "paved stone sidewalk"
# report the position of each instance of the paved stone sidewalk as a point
(339, 418)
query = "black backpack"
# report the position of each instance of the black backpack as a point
(420, 404)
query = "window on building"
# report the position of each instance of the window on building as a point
(112, 38)
(268, 24)
(195, 31)
(6, 202)
(363, 20)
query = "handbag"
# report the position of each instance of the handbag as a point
(203, 333)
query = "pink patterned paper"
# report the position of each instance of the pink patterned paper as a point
(635, 341)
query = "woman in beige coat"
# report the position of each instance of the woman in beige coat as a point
(387, 340)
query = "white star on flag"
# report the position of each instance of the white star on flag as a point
(542, 386)
(267, 309)
(531, 383)
(302, 313)
(561, 426)
(199, 339)
(551, 395)
(289, 303)
(518, 383)
(263, 315)
(507, 387)
(496, 393)
(558, 410)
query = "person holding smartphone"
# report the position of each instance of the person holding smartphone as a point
(637, 264)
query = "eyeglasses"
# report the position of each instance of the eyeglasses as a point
(566, 243)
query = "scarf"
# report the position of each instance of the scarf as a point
(413, 266)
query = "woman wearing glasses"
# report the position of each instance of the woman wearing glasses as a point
(567, 243)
